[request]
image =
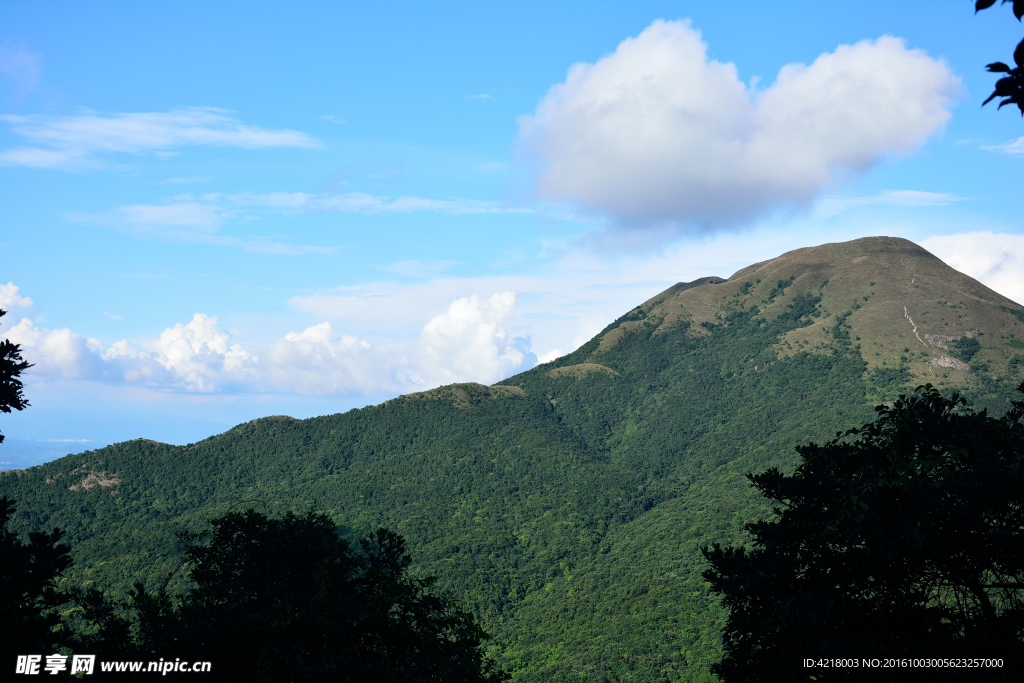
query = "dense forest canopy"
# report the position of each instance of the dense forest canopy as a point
(567, 505)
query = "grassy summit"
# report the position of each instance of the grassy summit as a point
(567, 504)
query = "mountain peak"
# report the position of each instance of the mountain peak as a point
(904, 310)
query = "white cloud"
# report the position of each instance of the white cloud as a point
(482, 97)
(70, 141)
(658, 132)
(996, 259)
(315, 361)
(198, 356)
(32, 157)
(550, 356)
(1011, 147)
(467, 343)
(56, 352)
(9, 297)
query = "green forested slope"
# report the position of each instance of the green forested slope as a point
(567, 505)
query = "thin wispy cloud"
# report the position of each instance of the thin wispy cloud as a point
(360, 202)
(19, 66)
(417, 268)
(76, 141)
(191, 221)
(334, 119)
(1011, 147)
(482, 97)
(198, 219)
(835, 204)
(188, 180)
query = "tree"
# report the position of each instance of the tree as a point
(903, 538)
(11, 366)
(290, 600)
(28, 588)
(1011, 86)
(28, 571)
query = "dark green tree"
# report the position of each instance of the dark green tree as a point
(903, 538)
(1011, 86)
(290, 600)
(28, 589)
(11, 367)
(28, 571)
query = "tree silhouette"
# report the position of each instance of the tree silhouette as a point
(903, 538)
(290, 600)
(1011, 86)
(28, 589)
(11, 367)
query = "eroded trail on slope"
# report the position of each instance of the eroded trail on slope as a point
(906, 313)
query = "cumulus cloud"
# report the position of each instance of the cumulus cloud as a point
(658, 132)
(10, 298)
(468, 343)
(59, 352)
(465, 343)
(316, 361)
(198, 354)
(996, 259)
(72, 141)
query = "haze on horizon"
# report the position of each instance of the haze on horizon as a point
(219, 212)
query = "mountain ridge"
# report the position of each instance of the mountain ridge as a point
(567, 504)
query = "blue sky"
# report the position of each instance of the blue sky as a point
(218, 211)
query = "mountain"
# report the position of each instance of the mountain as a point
(567, 505)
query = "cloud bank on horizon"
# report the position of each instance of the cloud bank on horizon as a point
(465, 343)
(657, 132)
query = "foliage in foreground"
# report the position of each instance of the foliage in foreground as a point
(1011, 86)
(271, 600)
(903, 538)
(11, 367)
(28, 589)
